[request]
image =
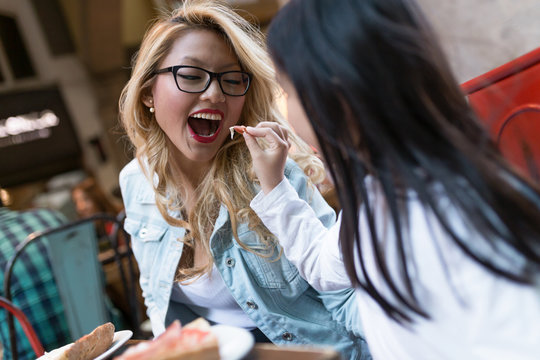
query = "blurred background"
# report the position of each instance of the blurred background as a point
(63, 64)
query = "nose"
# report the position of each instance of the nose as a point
(213, 93)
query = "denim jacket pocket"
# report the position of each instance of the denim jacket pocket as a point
(270, 269)
(249, 238)
(145, 239)
(144, 231)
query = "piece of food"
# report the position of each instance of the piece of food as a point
(238, 128)
(87, 347)
(56, 354)
(194, 341)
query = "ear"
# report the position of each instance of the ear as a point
(148, 100)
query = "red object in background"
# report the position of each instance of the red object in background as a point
(507, 101)
(25, 324)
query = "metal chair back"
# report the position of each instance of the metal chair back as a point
(25, 324)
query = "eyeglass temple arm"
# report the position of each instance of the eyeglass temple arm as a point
(165, 70)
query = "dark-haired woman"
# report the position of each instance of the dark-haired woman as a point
(439, 235)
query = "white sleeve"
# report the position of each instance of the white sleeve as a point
(307, 243)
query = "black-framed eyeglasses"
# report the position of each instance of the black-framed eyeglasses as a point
(193, 79)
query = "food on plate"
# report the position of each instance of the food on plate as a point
(87, 347)
(238, 128)
(194, 341)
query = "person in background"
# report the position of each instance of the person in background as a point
(33, 286)
(439, 234)
(90, 199)
(201, 250)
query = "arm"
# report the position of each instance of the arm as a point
(306, 241)
(131, 180)
(296, 213)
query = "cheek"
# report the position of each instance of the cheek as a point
(235, 108)
(171, 112)
(170, 103)
(299, 121)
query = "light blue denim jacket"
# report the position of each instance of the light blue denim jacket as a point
(272, 293)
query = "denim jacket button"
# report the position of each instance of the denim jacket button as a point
(287, 336)
(143, 232)
(251, 305)
(229, 262)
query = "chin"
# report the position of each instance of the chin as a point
(203, 155)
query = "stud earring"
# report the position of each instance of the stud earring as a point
(152, 110)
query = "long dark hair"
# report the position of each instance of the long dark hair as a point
(383, 102)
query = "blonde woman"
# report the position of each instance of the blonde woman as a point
(201, 250)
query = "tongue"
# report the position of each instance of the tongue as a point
(203, 127)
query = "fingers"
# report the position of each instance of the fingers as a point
(272, 139)
(278, 129)
(276, 138)
(252, 145)
(271, 131)
(269, 158)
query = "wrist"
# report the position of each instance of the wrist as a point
(267, 186)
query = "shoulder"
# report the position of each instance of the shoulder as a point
(131, 170)
(297, 178)
(17, 225)
(307, 191)
(132, 176)
(134, 185)
(42, 218)
(293, 172)
(291, 167)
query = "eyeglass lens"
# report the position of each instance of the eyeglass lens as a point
(197, 80)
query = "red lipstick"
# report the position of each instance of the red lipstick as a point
(207, 139)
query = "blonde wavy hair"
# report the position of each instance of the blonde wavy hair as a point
(230, 181)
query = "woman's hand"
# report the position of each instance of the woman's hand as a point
(269, 163)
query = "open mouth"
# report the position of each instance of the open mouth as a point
(205, 126)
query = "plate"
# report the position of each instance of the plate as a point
(234, 342)
(120, 337)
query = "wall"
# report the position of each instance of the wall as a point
(479, 35)
(69, 74)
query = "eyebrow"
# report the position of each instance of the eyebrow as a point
(200, 63)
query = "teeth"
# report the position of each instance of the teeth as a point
(212, 134)
(192, 136)
(207, 116)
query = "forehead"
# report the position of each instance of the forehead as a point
(201, 47)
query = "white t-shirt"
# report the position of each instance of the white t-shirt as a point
(210, 298)
(475, 315)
